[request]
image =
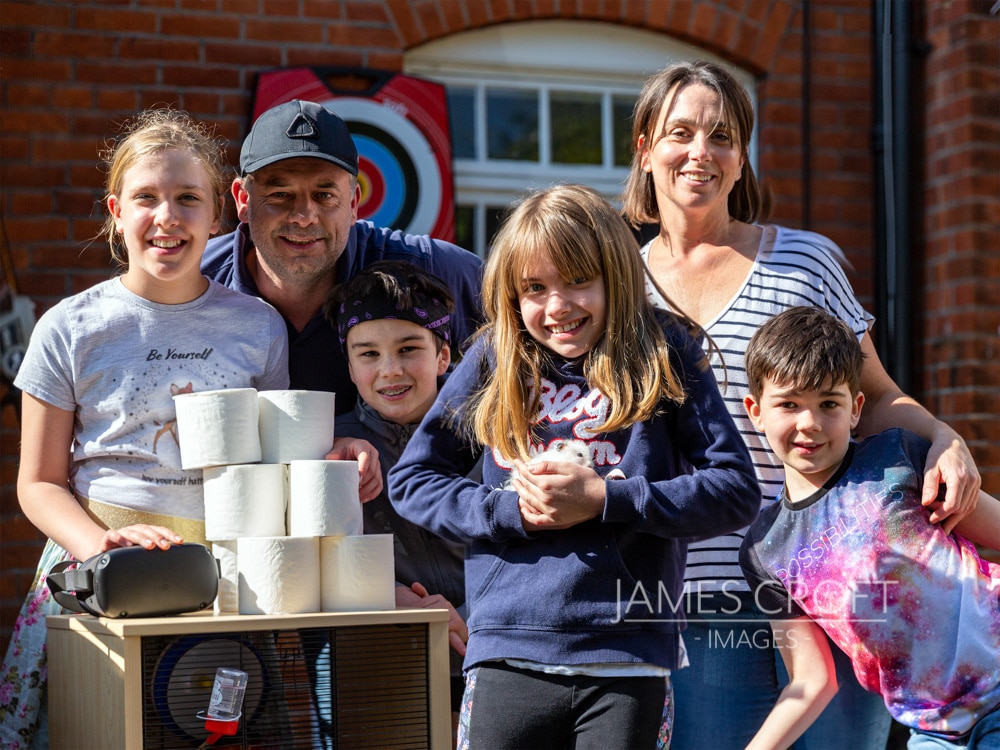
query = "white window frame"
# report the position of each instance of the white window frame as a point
(542, 56)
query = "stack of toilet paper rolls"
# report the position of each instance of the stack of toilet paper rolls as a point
(284, 523)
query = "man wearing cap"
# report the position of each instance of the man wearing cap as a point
(297, 200)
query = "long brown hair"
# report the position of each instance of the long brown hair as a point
(639, 198)
(583, 236)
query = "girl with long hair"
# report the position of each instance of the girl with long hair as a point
(573, 570)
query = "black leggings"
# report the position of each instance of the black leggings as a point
(519, 709)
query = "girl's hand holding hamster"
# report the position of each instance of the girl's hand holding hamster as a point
(143, 535)
(557, 494)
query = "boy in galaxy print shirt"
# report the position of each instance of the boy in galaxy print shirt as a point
(849, 550)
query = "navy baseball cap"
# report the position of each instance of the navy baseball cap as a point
(294, 129)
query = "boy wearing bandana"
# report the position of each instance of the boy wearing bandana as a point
(392, 319)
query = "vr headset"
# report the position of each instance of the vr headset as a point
(137, 582)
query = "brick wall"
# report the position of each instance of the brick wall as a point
(73, 69)
(960, 312)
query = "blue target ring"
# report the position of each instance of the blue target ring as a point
(385, 204)
(396, 172)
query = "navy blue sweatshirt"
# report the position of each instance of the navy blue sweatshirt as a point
(607, 590)
(315, 359)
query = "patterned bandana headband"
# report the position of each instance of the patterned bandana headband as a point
(427, 312)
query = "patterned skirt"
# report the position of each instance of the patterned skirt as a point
(24, 673)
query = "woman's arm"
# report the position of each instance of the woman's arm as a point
(44, 493)
(812, 683)
(948, 460)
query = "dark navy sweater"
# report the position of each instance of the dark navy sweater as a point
(607, 590)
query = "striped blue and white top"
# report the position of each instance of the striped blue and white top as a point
(793, 267)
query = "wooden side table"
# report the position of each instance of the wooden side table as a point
(139, 683)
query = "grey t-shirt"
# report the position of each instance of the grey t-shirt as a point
(116, 360)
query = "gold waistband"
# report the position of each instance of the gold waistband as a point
(115, 517)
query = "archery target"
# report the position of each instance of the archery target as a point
(398, 174)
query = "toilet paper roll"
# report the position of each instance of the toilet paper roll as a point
(295, 425)
(228, 600)
(323, 498)
(357, 573)
(215, 428)
(244, 500)
(278, 575)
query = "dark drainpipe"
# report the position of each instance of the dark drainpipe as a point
(894, 194)
(806, 116)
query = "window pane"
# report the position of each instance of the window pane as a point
(576, 127)
(494, 218)
(461, 113)
(512, 124)
(465, 227)
(622, 116)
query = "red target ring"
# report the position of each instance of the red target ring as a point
(372, 187)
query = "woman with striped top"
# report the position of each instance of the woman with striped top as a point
(692, 177)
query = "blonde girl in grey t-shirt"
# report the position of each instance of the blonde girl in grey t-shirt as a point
(100, 462)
